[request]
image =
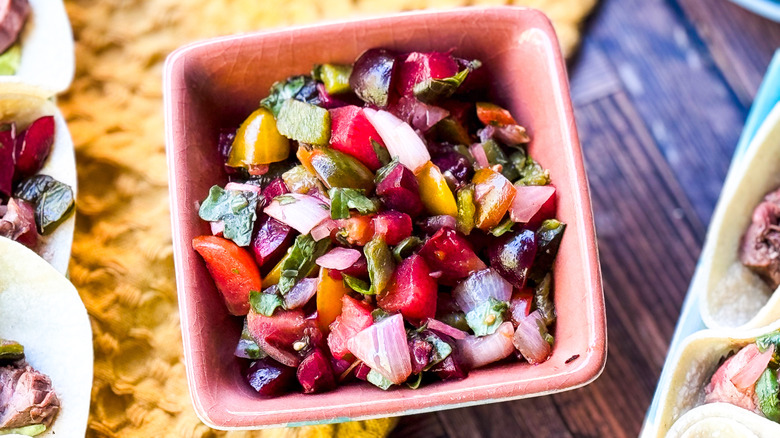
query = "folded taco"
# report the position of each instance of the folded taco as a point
(741, 258)
(714, 368)
(37, 175)
(722, 419)
(36, 45)
(45, 349)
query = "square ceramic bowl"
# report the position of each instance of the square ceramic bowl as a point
(218, 82)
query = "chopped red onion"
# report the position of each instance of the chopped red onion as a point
(479, 155)
(755, 362)
(479, 287)
(528, 200)
(480, 351)
(512, 134)
(445, 329)
(418, 114)
(400, 139)
(486, 133)
(301, 212)
(323, 230)
(301, 293)
(529, 341)
(339, 258)
(383, 347)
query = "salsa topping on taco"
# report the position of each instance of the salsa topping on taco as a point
(760, 247)
(28, 403)
(748, 379)
(34, 204)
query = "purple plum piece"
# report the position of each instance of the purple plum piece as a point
(372, 75)
(455, 167)
(271, 240)
(359, 269)
(399, 191)
(33, 147)
(7, 147)
(420, 352)
(449, 252)
(450, 368)
(275, 188)
(315, 373)
(513, 255)
(270, 378)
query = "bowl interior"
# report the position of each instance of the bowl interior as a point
(217, 83)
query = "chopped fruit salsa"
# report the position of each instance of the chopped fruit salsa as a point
(748, 379)
(382, 223)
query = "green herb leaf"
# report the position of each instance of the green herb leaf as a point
(406, 247)
(302, 88)
(342, 199)
(303, 122)
(52, 199)
(455, 319)
(335, 77)
(357, 285)
(467, 209)
(379, 380)
(768, 390)
(531, 172)
(440, 350)
(385, 170)
(237, 209)
(485, 318)
(763, 342)
(381, 152)
(414, 384)
(10, 60)
(265, 303)
(502, 228)
(496, 155)
(247, 347)
(300, 261)
(431, 90)
(381, 264)
(379, 314)
(31, 430)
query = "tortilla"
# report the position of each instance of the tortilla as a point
(734, 296)
(723, 420)
(41, 309)
(20, 104)
(696, 361)
(48, 60)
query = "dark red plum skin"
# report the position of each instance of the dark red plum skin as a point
(372, 76)
(6, 162)
(399, 191)
(275, 188)
(315, 373)
(513, 255)
(420, 352)
(33, 147)
(450, 368)
(270, 378)
(271, 241)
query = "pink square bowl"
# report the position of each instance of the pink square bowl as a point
(218, 82)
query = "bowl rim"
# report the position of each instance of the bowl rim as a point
(593, 360)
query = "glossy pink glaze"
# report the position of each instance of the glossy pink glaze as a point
(218, 82)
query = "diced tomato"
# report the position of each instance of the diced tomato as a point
(392, 226)
(451, 253)
(355, 317)
(413, 291)
(419, 67)
(233, 269)
(351, 133)
(357, 230)
(276, 334)
(492, 114)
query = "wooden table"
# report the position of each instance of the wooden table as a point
(661, 90)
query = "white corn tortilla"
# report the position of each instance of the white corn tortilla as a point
(48, 60)
(41, 309)
(723, 420)
(697, 360)
(733, 296)
(20, 104)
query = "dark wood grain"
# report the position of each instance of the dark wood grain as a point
(661, 89)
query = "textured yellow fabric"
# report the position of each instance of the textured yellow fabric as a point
(122, 258)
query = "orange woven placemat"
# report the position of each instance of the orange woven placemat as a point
(122, 258)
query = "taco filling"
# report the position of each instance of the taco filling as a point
(13, 16)
(760, 247)
(748, 379)
(28, 403)
(31, 204)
